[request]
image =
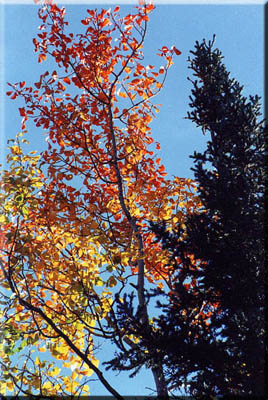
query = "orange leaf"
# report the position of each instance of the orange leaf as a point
(122, 94)
(105, 22)
(67, 80)
(41, 57)
(161, 168)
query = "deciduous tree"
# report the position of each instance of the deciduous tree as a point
(75, 219)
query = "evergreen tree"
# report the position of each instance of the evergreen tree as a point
(227, 237)
(209, 337)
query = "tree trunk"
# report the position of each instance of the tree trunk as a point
(158, 374)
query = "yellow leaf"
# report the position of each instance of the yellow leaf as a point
(98, 282)
(124, 259)
(73, 376)
(136, 212)
(37, 361)
(47, 385)
(86, 388)
(16, 150)
(55, 371)
(88, 371)
(2, 219)
(38, 185)
(84, 116)
(3, 386)
(80, 252)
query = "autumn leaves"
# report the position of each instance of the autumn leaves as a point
(81, 232)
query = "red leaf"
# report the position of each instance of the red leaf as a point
(149, 7)
(187, 286)
(117, 217)
(22, 112)
(84, 21)
(176, 51)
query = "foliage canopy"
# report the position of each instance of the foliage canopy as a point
(92, 230)
(75, 219)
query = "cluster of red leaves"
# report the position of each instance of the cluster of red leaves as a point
(104, 182)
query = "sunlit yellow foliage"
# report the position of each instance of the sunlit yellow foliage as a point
(75, 220)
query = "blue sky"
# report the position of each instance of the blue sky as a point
(239, 30)
(239, 35)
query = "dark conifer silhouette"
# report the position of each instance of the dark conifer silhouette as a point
(222, 354)
(228, 237)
